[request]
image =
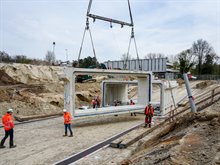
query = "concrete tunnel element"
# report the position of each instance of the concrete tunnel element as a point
(144, 80)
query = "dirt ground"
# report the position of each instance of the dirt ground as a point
(36, 90)
(192, 142)
(42, 142)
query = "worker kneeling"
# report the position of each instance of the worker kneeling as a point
(67, 122)
(149, 113)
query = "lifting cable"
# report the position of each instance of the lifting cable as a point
(131, 24)
(132, 37)
(90, 34)
(135, 44)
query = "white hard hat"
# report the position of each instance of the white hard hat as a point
(10, 110)
(64, 110)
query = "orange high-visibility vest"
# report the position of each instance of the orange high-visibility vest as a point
(149, 111)
(7, 121)
(67, 118)
(94, 102)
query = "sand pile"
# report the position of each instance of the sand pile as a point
(31, 74)
(32, 89)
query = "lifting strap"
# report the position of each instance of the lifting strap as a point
(132, 37)
(131, 24)
(90, 34)
(135, 44)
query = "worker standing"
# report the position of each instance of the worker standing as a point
(67, 122)
(98, 101)
(149, 112)
(8, 123)
(93, 103)
(132, 103)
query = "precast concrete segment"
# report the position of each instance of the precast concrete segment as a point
(78, 156)
(112, 110)
(144, 83)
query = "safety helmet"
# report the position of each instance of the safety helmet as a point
(64, 110)
(10, 110)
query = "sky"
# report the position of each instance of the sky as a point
(29, 27)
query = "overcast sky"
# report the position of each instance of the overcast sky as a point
(29, 27)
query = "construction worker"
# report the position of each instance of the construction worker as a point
(8, 123)
(98, 101)
(93, 103)
(149, 112)
(67, 122)
(132, 103)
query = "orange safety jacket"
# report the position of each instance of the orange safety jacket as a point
(67, 118)
(7, 121)
(94, 102)
(149, 111)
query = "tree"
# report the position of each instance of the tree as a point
(125, 57)
(174, 60)
(86, 62)
(185, 61)
(201, 49)
(50, 57)
(154, 55)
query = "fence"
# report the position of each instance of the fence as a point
(208, 77)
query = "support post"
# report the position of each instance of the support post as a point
(192, 103)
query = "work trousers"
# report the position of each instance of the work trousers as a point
(8, 133)
(69, 127)
(148, 120)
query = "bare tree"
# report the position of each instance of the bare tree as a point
(50, 57)
(174, 59)
(185, 61)
(125, 57)
(154, 55)
(201, 49)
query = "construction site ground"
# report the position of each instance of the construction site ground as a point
(190, 141)
(43, 142)
(36, 90)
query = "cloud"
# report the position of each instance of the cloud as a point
(30, 27)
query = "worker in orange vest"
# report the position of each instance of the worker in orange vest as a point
(8, 123)
(94, 103)
(98, 101)
(67, 122)
(149, 112)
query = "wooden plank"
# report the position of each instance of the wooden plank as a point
(117, 142)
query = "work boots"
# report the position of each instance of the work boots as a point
(1, 146)
(13, 146)
(64, 135)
